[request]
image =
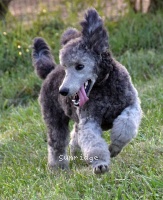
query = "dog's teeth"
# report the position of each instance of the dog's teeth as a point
(86, 84)
(76, 103)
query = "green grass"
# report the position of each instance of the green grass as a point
(136, 173)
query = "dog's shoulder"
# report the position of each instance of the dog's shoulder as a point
(120, 73)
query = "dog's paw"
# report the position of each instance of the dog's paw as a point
(114, 150)
(100, 169)
(58, 165)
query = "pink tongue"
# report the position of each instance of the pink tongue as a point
(82, 96)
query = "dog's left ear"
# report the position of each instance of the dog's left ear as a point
(94, 33)
(69, 34)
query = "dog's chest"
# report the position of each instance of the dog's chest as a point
(104, 107)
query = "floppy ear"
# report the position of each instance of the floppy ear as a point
(93, 32)
(69, 34)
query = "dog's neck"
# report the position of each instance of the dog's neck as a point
(105, 67)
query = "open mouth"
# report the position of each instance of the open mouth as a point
(81, 97)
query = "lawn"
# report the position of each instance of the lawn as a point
(136, 41)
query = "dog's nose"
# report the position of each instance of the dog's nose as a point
(64, 91)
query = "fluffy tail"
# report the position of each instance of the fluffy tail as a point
(42, 58)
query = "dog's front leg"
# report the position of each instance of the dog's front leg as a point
(57, 142)
(125, 128)
(94, 148)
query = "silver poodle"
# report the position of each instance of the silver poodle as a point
(89, 87)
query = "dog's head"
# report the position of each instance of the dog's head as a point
(80, 55)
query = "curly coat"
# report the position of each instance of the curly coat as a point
(113, 101)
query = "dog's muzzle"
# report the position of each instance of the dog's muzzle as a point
(81, 97)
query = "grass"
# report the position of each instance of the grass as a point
(135, 174)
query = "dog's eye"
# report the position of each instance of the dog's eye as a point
(79, 67)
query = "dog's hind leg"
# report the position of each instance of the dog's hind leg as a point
(125, 127)
(74, 146)
(94, 148)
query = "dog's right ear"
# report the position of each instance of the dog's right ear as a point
(93, 32)
(69, 34)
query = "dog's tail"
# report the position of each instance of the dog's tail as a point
(42, 58)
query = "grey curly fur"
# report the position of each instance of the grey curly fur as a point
(113, 101)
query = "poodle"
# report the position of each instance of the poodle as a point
(89, 87)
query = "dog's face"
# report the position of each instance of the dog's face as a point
(78, 57)
(80, 69)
